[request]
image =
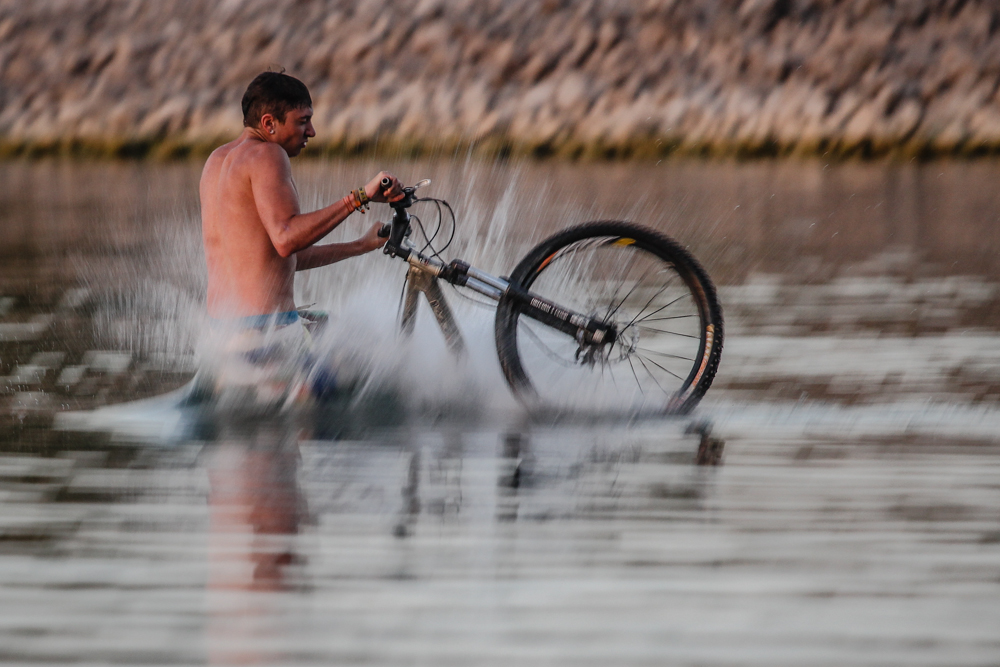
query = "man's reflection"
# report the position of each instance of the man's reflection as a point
(255, 510)
(255, 506)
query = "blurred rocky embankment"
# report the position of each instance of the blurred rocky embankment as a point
(596, 78)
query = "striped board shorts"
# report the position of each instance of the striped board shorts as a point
(263, 361)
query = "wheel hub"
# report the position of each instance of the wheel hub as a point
(589, 354)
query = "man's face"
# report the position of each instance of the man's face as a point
(293, 134)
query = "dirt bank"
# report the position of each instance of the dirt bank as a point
(571, 78)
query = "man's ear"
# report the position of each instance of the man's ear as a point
(268, 123)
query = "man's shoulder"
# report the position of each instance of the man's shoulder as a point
(256, 155)
(246, 156)
(221, 155)
(244, 147)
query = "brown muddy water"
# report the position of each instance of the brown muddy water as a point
(852, 517)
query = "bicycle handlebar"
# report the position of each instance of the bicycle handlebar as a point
(387, 227)
(400, 226)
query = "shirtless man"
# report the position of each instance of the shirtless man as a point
(256, 238)
(255, 235)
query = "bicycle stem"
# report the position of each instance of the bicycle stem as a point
(399, 228)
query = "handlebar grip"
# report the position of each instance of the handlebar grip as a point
(386, 182)
(384, 231)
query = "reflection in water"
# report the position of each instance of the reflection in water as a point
(515, 448)
(255, 506)
(410, 493)
(566, 545)
(255, 509)
(854, 520)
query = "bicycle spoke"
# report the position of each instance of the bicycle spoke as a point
(666, 370)
(661, 291)
(634, 319)
(638, 384)
(611, 302)
(638, 283)
(655, 381)
(675, 333)
(618, 287)
(664, 354)
(623, 273)
(611, 374)
(672, 317)
(611, 347)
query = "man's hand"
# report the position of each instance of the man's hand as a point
(371, 240)
(375, 191)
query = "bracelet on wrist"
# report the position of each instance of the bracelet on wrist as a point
(349, 204)
(362, 196)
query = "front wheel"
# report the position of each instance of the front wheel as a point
(659, 300)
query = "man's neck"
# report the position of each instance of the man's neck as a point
(253, 133)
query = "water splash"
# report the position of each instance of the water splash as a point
(149, 299)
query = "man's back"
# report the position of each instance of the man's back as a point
(246, 275)
(256, 237)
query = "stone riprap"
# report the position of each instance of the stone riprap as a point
(597, 78)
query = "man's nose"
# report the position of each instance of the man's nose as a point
(310, 131)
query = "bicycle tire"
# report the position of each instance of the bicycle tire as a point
(588, 268)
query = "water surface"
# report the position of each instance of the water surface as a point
(852, 520)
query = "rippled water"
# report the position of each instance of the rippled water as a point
(852, 519)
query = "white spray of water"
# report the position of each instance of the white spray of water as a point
(149, 299)
(152, 300)
(363, 296)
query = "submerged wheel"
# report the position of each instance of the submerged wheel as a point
(660, 301)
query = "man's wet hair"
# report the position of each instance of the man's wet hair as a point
(275, 93)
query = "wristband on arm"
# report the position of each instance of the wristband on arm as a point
(357, 201)
(362, 196)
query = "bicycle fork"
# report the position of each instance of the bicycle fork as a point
(419, 282)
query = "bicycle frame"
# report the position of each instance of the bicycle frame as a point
(425, 271)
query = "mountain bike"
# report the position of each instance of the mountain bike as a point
(606, 316)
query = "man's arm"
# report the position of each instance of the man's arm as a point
(278, 204)
(321, 255)
(290, 230)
